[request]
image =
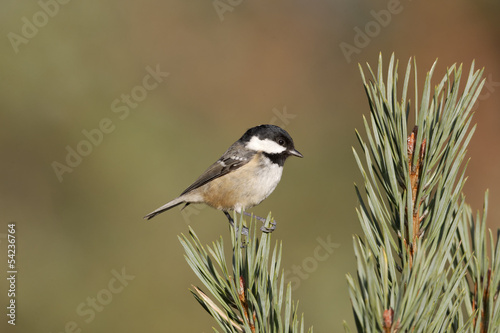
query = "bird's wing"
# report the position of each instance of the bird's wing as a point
(230, 161)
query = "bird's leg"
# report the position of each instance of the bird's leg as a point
(231, 221)
(263, 220)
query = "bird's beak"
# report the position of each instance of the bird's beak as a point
(295, 152)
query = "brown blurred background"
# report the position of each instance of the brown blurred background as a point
(231, 65)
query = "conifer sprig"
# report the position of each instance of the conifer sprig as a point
(410, 275)
(248, 293)
(425, 262)
(482, 282)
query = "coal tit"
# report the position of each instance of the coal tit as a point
(245, 175)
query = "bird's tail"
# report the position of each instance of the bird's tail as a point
(165, 207)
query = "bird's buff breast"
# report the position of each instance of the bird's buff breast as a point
(244, 187)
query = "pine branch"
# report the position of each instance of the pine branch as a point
(247, 295)
(425, 264)
(483, 279)
(410, 277)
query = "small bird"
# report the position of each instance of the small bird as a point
(245, 175)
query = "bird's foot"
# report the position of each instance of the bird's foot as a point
(269, 230)
(244, 230)
(263, 220)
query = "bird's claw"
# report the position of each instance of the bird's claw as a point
(268, 230)
(263, 221)
(244, 231)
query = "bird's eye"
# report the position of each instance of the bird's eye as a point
(281, 142)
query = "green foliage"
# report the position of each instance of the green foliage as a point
(482, 282)
(249, 292)
(425, 263)
(422, 265)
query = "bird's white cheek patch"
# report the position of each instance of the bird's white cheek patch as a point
(267, 146)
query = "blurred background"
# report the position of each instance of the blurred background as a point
(110, 109)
